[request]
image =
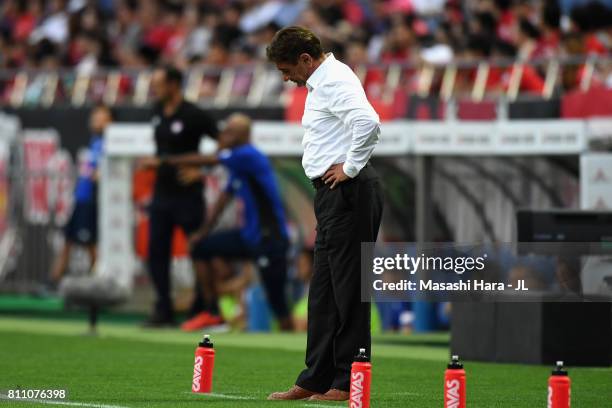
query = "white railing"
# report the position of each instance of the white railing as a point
(260, 84)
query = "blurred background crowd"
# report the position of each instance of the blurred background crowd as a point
(124, 38)
(84, 34)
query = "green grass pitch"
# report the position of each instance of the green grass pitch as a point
(129, 367)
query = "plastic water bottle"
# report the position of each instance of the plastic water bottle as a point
(454, 384)
(203, 366)
(361, 380)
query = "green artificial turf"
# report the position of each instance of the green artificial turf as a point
(129, 367)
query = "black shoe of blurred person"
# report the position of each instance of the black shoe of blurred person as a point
(159, 321)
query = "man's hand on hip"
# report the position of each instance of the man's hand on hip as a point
(335, 175)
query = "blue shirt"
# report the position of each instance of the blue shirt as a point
(86, 186)
(252, 180)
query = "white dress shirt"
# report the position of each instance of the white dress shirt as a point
(341, 125)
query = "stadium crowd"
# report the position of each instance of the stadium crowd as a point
(85, 34)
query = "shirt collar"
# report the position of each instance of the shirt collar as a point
(317, 76)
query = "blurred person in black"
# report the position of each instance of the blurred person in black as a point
(178, 128)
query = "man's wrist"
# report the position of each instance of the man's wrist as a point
(350, 170)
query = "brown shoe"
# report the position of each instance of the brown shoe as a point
(331, 395)
(294, 393)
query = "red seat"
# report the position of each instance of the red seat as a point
(469, 110)
(594, 102)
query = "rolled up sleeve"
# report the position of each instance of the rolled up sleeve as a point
(349, 103)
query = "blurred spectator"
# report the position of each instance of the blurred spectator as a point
(228, 31)
(262, 37)
(526, 40)
(576, 44)
(373, 78)
(125, 31)
(530, 80)
(218, 54)
(197, 37)
(400, 41)
(548, 45)
(86, 53)
(54, 25)
(589, 19)
(28, 14)
(478, 48)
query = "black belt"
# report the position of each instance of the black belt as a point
(318, 182)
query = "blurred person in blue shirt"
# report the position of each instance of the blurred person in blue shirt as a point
(82, 227)
(263, 236)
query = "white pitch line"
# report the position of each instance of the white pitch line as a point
(55, 402)
(214, 394)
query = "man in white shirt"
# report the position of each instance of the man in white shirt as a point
(342, 130)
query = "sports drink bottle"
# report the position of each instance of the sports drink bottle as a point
(559, 388)
(203, 366)
(361, 379)
(454, 384)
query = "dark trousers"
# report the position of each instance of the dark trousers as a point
(338, 322)
(166, 212)
(270, 256)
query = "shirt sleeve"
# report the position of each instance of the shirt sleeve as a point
(233, 159)
(348, 102)
(206, 124)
